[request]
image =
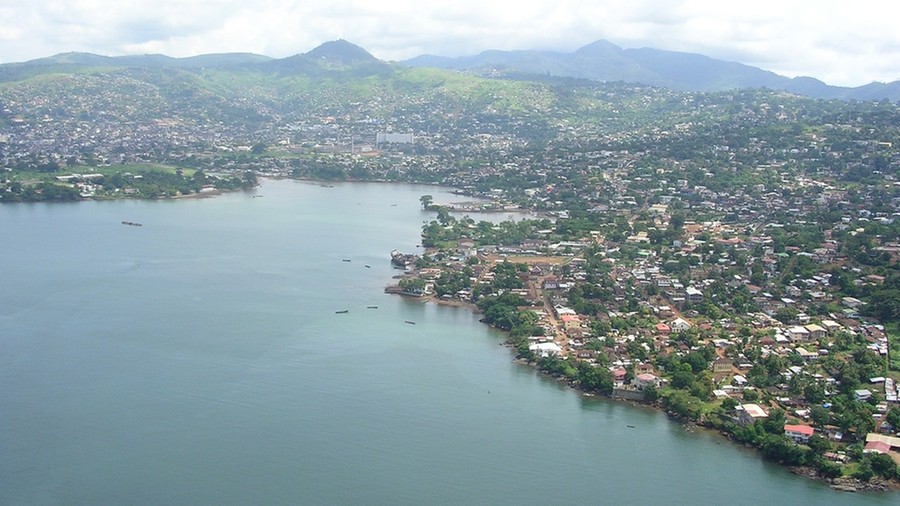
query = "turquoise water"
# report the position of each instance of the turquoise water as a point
(198, 359)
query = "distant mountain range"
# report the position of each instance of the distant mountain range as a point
(605, 61)
(600, 61)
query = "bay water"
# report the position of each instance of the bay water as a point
(200, 359)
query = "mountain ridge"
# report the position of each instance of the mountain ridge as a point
(600, 60)
(604, 61)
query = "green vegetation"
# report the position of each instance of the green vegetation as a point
(893, 332)
(763, 224)
(132, 180)
(412, 286)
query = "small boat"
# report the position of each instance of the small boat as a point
(342, 311)
(371, 307)
(630, 426)
(409, 322)
(346, 260)
(132, 224)
(257, 196)
(368, 266)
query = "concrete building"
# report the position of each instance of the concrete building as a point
(392, 138)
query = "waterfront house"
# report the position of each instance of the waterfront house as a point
(642, 381)
(799, 433)
(749, 413)
(545, 349)
(619, 376)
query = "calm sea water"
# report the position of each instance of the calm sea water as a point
(198, 359)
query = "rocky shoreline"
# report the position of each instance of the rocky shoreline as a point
(846, 484)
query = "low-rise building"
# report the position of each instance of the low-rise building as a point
(749, 413)
(679, 325)
(816, 332)
(642, 381)
(693, 295)
(799, 433)
(545, 349)
(722, 365)
(798, 333)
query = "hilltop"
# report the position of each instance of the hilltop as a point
(341, 50)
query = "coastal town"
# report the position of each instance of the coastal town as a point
(729, 257)
(724, 324)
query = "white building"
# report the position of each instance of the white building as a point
(545, 349)
(392, 138)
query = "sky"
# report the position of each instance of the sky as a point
(841, 42)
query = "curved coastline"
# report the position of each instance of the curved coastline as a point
(840, 484)
(844, 484)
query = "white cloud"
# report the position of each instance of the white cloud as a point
(837, 41)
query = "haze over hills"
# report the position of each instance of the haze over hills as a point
(598, 61)
(331, 56)
(605, 61)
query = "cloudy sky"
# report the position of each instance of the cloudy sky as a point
(839, 41)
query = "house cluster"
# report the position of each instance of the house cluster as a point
(623, 301)
(747, 245)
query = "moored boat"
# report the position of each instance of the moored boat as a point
(402, 260)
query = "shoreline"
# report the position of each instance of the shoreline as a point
(845, 484)
(840, 484)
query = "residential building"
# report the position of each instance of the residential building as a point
(799, 433)
(749, 413)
